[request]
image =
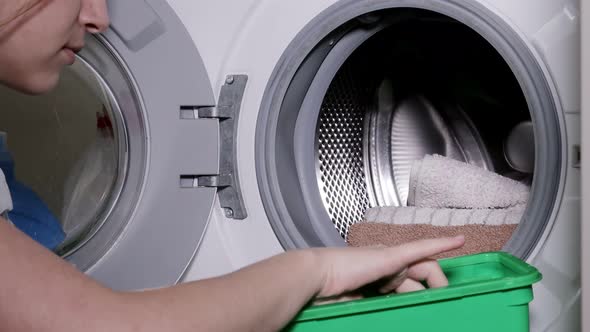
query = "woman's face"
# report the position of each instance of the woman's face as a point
(36, 46)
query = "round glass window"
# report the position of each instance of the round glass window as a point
(66, 154)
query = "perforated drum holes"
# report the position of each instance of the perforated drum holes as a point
(340, 153)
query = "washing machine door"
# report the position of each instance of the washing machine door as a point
(154, 83)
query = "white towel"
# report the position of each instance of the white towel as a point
(439, 182)
(447, 192)
(444, 216)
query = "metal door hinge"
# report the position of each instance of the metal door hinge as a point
(227, 181)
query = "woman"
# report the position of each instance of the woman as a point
(41, 292)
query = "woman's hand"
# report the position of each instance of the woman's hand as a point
(399, 269)
(261, 297)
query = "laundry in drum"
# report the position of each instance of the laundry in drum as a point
(29, 213)
(448, 197)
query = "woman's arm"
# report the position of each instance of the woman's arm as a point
(41, 292)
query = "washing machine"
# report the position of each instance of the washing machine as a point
(585, 73)
(194, 138)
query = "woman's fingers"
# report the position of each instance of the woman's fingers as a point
(409, 285)
(429, 271)
(335, 299)
(394, 282)
(409, 253)
(346, 270)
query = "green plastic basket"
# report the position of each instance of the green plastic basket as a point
(486, 292)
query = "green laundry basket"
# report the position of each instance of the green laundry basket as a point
(487, 292)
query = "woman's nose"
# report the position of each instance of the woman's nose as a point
(94, 15)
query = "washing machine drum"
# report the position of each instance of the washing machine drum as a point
(378, 93)
(399, 98)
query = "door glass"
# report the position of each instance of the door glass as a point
(66, 151)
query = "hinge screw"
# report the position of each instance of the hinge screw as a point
(229, 212)
(229, 80)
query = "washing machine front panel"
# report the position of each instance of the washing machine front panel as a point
(552, 48)
(161, 214)
(554, 34)
(557, 298)
(216, 30)
(585, 234)
(260, 40)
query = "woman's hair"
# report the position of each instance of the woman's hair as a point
(26, 6)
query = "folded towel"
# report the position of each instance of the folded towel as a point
(478, 238)
(444, 216)
(449, 198)
(439, 182)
